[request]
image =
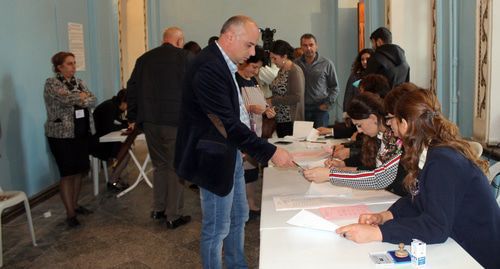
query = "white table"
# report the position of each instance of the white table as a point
(117, 136)
(285, 246)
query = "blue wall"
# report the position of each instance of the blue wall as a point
(31, 32)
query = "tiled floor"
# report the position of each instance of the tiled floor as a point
(119, 234)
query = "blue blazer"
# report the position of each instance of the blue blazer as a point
(210, 130)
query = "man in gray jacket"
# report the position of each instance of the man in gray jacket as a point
(321, 82)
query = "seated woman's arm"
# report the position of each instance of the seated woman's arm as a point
(378, 178)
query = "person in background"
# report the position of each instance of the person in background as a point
(376, 84)
(287, 88)
(68, 129)
(214, 128)
(321, 84)
(212, 39)
(110, 116)
(297, 53)
(256, 105)
(450, 194)
(154, 98)
(389, 59)
(193, 47)
(358, 67)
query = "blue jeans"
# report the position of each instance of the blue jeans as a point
(223, 222)
(318, 116)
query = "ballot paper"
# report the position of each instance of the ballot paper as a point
(310, 220)
(301, 201)
(328, 189)
(313, 135)
(343, 212)
(301, 129)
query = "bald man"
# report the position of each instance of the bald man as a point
(154, 99)
(214, 130)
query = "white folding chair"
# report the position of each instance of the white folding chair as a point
(11, 198)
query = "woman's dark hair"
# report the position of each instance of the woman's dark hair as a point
(376, 84)
(122, 96)
(59, 58)
(357, 67)
(427, 127)
(392, 98)
(192, 47)
(259, 56)
(360, 108)
(282, 48)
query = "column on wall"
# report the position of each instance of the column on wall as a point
(486, 113)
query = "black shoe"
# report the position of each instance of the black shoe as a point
(83, 211)
(117, 186)
(158, 215)
(194, 187)
(254, 215)
(72, 222)
(182, 220)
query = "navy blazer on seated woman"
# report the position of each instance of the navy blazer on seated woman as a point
(210, 130)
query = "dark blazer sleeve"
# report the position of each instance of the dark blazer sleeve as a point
(132, 91)
(213, 88)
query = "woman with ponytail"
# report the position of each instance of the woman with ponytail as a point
(450, 194)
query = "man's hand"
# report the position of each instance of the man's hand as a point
(282, 158)
(324, 107)
(324, 130)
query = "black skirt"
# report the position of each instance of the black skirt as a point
(71, 154)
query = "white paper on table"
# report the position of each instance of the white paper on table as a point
(328, 189)
(301, 201)
(308, 164)
(301, 129)
(313, 135)
(310, 220)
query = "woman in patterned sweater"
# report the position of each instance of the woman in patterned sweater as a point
(381, 150)
(287, 88)
(68, 128)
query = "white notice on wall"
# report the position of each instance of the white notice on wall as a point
(76, 46)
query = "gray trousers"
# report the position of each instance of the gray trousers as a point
(168, 189)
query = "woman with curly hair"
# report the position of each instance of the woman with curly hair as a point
(450, 194)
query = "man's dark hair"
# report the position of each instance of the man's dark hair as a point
(382, 33)
(308, 36)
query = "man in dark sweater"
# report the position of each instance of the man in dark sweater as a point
(389, 59)
(154, 98)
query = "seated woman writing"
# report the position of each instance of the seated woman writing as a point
(450, 194)
(381, 150)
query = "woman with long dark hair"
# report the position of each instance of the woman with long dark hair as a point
(381, 150)
(287, 88)
(450, 194)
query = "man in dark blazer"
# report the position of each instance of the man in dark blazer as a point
(154, 98)
(213, 132)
